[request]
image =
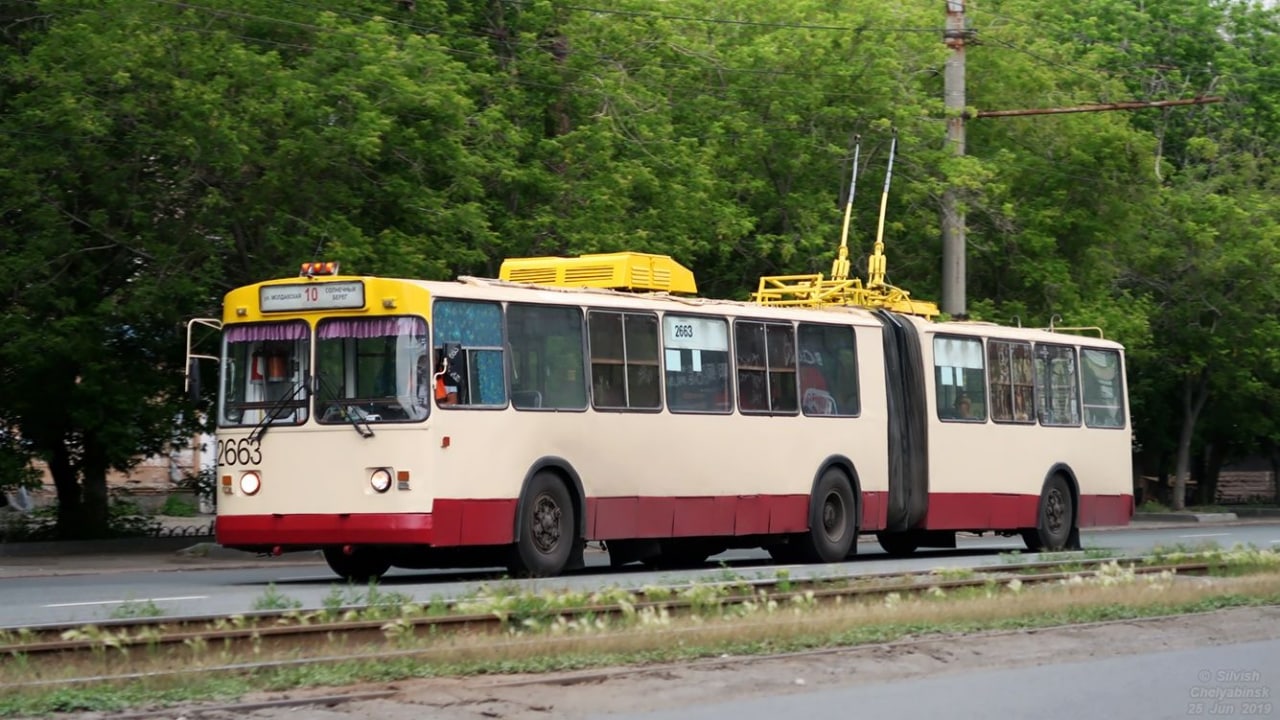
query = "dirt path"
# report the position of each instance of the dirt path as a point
(596, 693)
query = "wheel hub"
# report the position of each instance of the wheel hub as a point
(833, 516)
(1054, 511)
(546, 524)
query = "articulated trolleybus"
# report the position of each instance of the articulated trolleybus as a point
(416, 424)
(510, 421)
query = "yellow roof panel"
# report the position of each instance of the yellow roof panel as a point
(617, 271)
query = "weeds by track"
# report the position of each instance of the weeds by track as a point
(299, 630)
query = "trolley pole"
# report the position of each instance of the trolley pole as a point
(953, 232)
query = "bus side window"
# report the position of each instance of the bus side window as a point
(1103, 388)
(959, 378)
(766, 367)
(1058, 385)
(828, 370)
(476, 329)
(695, 353)
(547, 355)
(1011, 381)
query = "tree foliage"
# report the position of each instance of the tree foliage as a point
(154, 155)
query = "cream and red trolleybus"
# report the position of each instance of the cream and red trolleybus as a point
(510, 421)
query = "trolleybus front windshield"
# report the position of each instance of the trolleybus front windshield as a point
(264, 372)
(372, 370)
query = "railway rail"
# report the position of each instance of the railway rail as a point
(298, 630)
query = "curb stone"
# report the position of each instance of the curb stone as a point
(1186, 517)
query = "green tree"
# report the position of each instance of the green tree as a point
(155, 155)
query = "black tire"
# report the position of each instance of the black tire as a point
(833, 520)
(547, 528)
(361, 566)
(1055, 519)
(898, 544)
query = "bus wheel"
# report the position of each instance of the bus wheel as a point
(547, 527)
(360, 566)
(898, 544)
(832, 524)
(1054, 521)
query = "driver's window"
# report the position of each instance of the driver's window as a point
(264, 367)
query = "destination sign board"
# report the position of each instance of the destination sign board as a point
(311, 296)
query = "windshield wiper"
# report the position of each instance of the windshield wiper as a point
(366, 431)
(270, 415)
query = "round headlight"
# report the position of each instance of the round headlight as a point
(380, 480)
(250, 483)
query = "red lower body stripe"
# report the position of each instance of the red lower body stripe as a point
(464, 522)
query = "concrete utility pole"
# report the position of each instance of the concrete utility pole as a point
(953, 231)
(953, 240)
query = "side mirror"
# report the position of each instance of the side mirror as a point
(193, 380)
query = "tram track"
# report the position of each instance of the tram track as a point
(297, 630)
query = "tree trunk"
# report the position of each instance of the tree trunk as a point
(82, 509)
(95, 511)
(1274, 453)
(1207, 490)
(68, 487)
(1195, 391)
(1178, 499)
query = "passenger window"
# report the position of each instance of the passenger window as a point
(766, 364)
(828, 371)
(960, 379)
(1058, 385)
(624, 360)
(475, 328)
(1013, 386)
(696, 356)
(546, 357)
(1103, 388)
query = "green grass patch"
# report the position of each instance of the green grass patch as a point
(178, 506)
(136, 609)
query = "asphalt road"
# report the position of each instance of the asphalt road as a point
(189, 586)
(1235, 680)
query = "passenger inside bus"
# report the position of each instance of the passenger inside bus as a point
(815, 397)
(446, 394)
(450, 375)
(964, 407)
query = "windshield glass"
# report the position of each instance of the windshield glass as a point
(369, 370)
(263, 367)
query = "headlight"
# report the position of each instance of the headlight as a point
(380, 480)
(250, 483)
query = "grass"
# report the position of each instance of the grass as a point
(178, 506)
(136, 609)
(273, 599)
(537, 639)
